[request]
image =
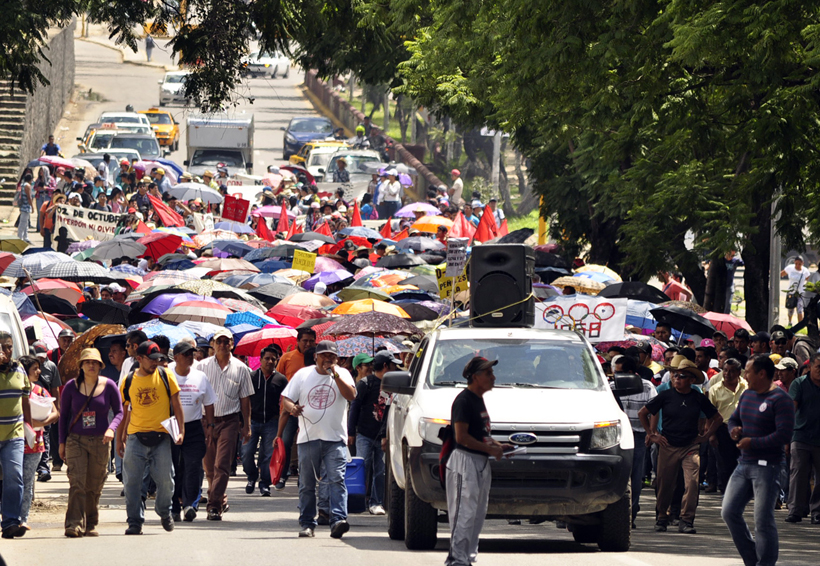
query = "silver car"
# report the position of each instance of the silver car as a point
(172, 88)
(261, 64)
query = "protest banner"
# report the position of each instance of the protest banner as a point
(446, 284)
(84, 223)
(235, 209)
(456, 256)
(598, 319)
(305, 261)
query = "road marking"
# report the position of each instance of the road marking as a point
(630, 561)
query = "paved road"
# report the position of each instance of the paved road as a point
(263, 530)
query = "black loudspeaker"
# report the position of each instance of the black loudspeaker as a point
(500, 282)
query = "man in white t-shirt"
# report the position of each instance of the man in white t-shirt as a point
(318, 395)
(798, 275)
(196, 397)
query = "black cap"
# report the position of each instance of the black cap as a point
(779, 335)
(202, 343)
(644, 347)
(385, 357)
(476, 365)
(326, 347)
(151, 350)
(183, 348)
(761, 337)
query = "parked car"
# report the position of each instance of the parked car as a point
(165, 127)
(172, 88)
(302, 130)
(145, 144)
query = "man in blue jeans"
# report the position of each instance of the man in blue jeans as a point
(268, 385)
(318, 395)
(142, 441)
(14, 412)
(761, 425)
(365, 422)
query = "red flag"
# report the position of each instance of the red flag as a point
(401, 235)
(387, 231)
(462, 228)
(487, 230)
(263, 231)
(168, 216)
(503, 230)
(356, 220)
(142, 228)
(283, 220)
(324, 229)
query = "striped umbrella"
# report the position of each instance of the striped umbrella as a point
(76, 271)
(253, 343)
(197, 311)
(33, 263)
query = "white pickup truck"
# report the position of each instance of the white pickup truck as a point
(552, 397)
(218, 140)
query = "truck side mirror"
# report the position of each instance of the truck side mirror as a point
(248, 165)
(185, 163)
(399, 382)
(321, 169)
(624, 384)
(282, 128)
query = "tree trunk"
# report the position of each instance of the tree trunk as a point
(715, 296)
(756, 257)
(689, 265)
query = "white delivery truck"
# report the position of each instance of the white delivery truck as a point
(217, 140)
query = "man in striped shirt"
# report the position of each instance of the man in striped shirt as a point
(231, 381)
(761, 425)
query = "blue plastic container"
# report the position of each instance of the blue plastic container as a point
(356, 482)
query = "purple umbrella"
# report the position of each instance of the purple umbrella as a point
(405, 180)
(271, 211)
(408, 210)
(162, 303)
(327, 277)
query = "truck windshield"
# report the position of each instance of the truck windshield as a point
(521, 363)
(216, 156)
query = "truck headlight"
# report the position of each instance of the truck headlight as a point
(605, 435)
(429, 429)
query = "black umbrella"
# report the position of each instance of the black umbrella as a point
(52, 304)
(80, 325)
(314, 321)
(432, 258)
(550, 274)
(422, 282)
(546, 259)
(419, 312)
(420, 244)
(308, 236)
(106, 312)
(635, 290)
(414, 295)
(400, 260)
(686, 321)
(516, 236)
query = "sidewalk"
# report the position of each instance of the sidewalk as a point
(161, 56)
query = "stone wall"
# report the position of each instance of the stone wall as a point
(46, 105)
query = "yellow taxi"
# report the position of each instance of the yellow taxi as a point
(301, 157)
(165, 127)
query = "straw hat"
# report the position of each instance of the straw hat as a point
(689, 368)
(91, 354)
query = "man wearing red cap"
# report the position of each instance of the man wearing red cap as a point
(457, 188)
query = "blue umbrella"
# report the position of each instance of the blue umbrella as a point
(637, 314)
(595, 276)
(157, 327)
(233, 247)
(168, 163)
(24, 305)
(240, 330)
(128, 268)
(202, 329)
(180, 265)
(361, 232)
(32, 250)
(257, 320)
(236, 227)
(272, 265)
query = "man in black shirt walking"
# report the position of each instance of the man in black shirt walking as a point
(679, 444)
(364, 424)
(268, 385)
(468, 467)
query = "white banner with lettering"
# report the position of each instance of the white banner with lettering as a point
(84, 223)
(598, 319)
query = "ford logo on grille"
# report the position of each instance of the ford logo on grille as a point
(523, 438)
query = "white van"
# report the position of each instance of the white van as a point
(10, 322)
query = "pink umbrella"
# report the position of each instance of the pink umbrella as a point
(146, 165)
(271, 211)
(367, 271)
(57, 161)
(326, 264)
(408, 210)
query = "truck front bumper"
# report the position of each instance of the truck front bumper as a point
(544, 486)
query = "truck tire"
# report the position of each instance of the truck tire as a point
(420, 518)
(395, 504)
(585, 534)
(616, 525)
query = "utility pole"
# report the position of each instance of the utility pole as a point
(386, 111)
(496, 170)
(413, 125)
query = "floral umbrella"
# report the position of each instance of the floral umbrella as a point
(349, 347)
(373, 323)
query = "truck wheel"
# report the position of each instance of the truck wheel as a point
(616, 525)
(395, 504)
(420, 518)
(585, 534)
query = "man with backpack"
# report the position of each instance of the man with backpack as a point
(150, 396)
(365, 422)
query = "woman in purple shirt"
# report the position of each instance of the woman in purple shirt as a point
(85, 434)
